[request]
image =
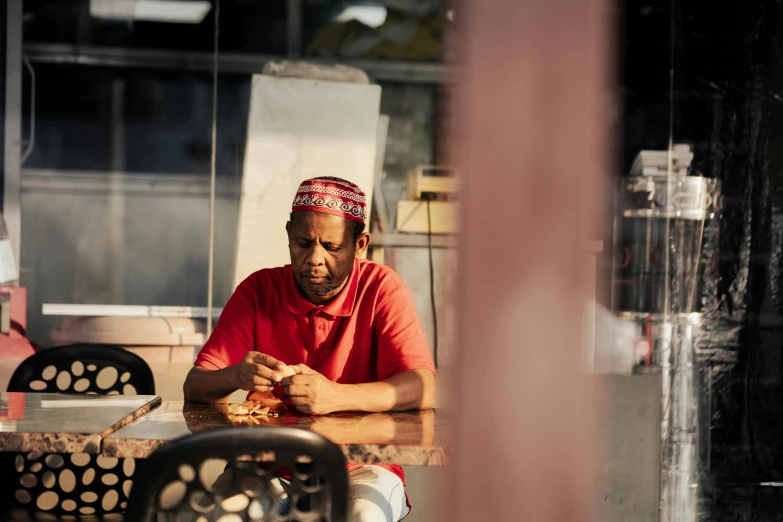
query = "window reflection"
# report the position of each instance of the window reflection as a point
(115, 191)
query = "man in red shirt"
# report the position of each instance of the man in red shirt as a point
(347, 328)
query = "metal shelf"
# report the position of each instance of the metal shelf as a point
(413, 240)
(407, 72)
(94, 310)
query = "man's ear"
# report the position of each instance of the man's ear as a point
(362, 242)
(288, 227)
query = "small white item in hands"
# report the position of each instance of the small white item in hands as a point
(288, 372)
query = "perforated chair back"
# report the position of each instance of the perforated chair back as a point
(84, 368)
(172, 483)
(78, 484)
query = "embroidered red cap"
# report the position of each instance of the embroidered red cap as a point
(333, 196)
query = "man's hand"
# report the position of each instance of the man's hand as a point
(259, 372)
(312, 393)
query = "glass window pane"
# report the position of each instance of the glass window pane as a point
(399, 30)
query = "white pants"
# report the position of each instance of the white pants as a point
(375, 494)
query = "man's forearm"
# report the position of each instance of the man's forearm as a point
(203, 385)
(411, 390)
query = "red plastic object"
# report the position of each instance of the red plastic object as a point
(14, 409)
(15, 344)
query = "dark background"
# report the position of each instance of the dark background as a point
(724, 62)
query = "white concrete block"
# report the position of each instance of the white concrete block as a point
(299, 129)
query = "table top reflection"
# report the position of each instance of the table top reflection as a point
(415, 438)
(63, 423)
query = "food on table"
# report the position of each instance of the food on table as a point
(250, 420)
(259, 406)
(248, 408)
(237, 408)
(267, 399)
(254, 419)
(252, 412)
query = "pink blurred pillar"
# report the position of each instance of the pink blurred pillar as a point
(532, 114)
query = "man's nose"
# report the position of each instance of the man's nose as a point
(315, 257)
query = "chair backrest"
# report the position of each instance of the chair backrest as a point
(78, 484)
(170, 484)
(84, 368)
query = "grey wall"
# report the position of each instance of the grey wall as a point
(410, 140)
(630, 462)
(69, 254)
(412, 263)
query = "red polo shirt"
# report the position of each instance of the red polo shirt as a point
(368, 333)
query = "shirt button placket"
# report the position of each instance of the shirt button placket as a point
(321, 328)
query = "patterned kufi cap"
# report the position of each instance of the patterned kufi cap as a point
(333, 196)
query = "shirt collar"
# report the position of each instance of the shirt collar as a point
(340, 306)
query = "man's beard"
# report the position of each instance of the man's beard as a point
(320, 290)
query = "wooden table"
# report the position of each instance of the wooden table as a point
(415, 438)
(61, 423)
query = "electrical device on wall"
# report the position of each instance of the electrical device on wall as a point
(438, 185)
(431, 208)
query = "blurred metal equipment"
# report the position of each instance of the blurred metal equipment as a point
(662, 218)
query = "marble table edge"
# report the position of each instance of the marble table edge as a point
(402, 455)
(47, 442)
(354, 453)
(131, 448)
(60, 442)
(154, 403)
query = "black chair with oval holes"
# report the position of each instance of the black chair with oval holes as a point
(174, 482)
(73, 484)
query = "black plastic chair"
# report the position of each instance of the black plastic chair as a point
(170, 484)
(77, 369)
(78, 484)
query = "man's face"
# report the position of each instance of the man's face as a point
(322, 252)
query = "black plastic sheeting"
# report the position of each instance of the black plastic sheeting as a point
(710, 73)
